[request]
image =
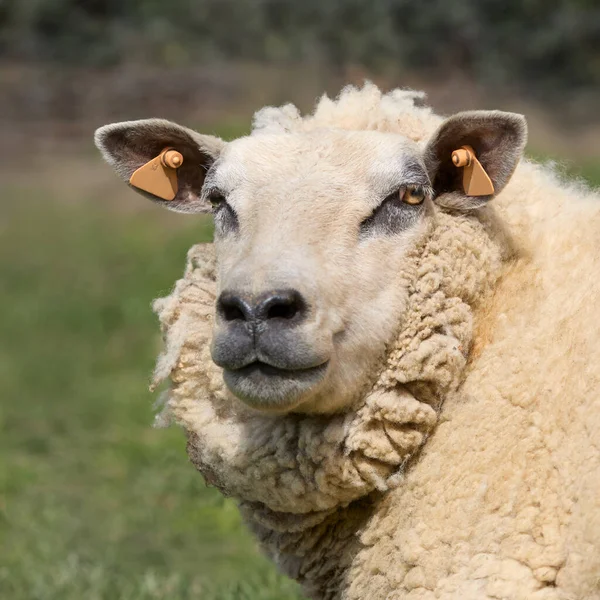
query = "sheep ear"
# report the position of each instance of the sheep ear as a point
(495, 140)
(175, 179)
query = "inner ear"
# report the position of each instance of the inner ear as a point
(130, 145)
(497, 139)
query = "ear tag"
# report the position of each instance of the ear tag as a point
(476, 182)
(159, 176)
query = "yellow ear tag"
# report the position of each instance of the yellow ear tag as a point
(476, 182)
(159, 176)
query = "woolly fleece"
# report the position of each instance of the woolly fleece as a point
(503, 499)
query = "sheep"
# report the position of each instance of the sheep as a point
(418, 417)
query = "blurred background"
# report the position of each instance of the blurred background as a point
(94, 503)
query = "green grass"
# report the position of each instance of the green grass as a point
(589, 171)
(94, 503)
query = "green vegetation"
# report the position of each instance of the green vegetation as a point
(94, 503)
(590, 171)
(540, 47)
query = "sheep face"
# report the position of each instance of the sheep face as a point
(311, 234)
(314, 233)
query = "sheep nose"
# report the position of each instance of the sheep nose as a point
(276, 306)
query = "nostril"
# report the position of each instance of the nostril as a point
(283, 310)
(232, 308)
(231, 313)
(285, 304)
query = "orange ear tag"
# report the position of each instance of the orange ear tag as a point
(476, 182)
(159, 176)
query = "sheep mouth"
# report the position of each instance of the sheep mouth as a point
(266, 387)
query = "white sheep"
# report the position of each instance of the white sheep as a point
(359, 289)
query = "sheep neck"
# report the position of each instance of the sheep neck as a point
(299, 476)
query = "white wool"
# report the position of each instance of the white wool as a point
(357, 109)
(502, 332)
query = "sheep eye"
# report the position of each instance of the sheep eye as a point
(225, 217)
(216, 199)
(397, 212)
(412, 195)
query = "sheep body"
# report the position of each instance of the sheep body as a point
(504, 500)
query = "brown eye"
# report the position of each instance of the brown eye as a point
(413, 194)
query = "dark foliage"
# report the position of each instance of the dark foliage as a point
(531, 46)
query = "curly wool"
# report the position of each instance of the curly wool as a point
(292, 472)
(502, 502)
(315, 463)
(364, 109)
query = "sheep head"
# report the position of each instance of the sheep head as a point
(318, 233)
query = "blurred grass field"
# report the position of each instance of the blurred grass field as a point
(94, 503)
